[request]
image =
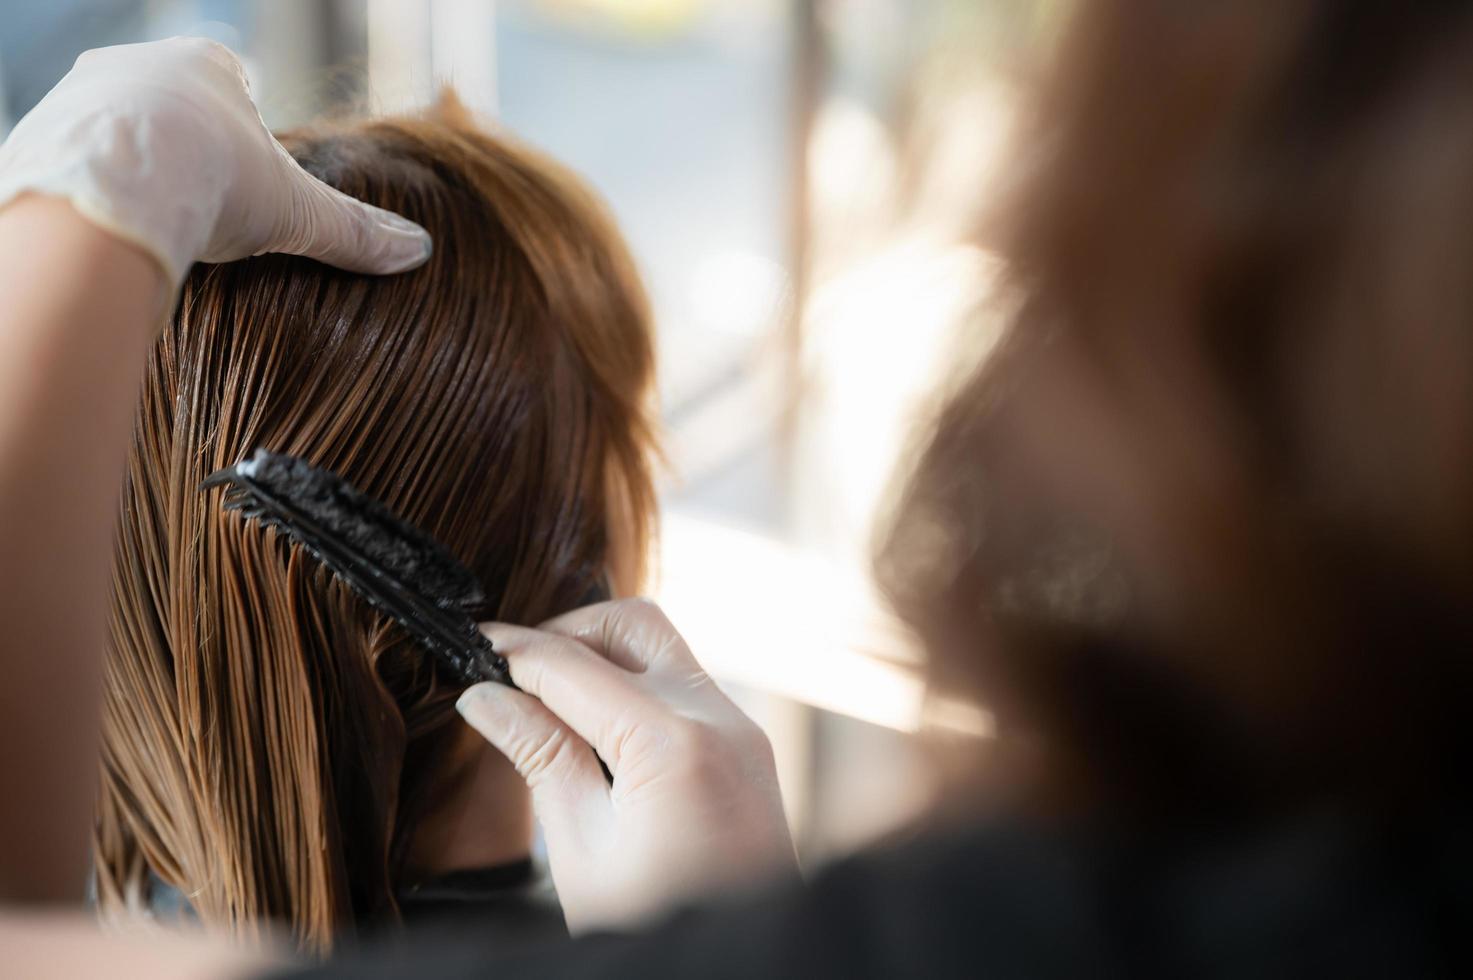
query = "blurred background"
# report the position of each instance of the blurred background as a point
(801, 183)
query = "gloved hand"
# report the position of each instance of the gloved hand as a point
(694, 805)
(160, 144)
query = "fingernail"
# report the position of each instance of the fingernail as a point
(396, 222)
(494, 633)
(408, 252)
(408, 242)
(472, 696)
(406, 230)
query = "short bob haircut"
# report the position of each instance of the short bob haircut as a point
(269, 739)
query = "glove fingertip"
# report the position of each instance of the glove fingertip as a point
(407, 247)
(357, 236)
(391, 258)
(475, 705)
(389, 243)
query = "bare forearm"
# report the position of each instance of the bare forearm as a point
(78, 310)
(49, 945)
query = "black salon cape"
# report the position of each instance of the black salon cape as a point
(1317, 897)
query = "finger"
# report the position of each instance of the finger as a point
(597, 700)
(559, 768)
(633, 633)
(328, 225)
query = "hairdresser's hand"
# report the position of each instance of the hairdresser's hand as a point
(160, 144)
(695, 803)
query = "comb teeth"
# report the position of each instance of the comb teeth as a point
(439, 623)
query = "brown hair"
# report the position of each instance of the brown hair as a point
(269, 739)
(1199, 530)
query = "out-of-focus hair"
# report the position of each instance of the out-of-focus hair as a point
(1201, 530)
(269, 739)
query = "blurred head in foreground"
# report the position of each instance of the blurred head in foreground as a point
(1201, 529)
(272, 744)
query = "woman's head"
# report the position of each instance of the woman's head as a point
(270, 739)
(1201, 527)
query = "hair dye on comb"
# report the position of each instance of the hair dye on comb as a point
(396, 567)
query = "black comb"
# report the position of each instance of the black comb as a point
(399, 569)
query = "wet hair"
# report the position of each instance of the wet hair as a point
(1199, 529)
(270, 740)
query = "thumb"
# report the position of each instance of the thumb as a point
(559, 767)
(327, 225)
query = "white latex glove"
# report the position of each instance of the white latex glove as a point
(695, 804)
(160, 144)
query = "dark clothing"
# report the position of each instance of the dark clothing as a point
(1316, 899)
(518, 897)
